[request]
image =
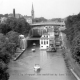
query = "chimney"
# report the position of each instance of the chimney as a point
(13, 12)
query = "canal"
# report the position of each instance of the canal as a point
(53, 66)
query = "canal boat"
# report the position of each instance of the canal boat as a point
(51, 50)
(33, 50)
(34, 44)
(37, 67)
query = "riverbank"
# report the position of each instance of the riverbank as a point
(18, 54)
(71, 64)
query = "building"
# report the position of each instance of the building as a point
(44, 41)
(23, 43)
(42, 30)
(50, 28)
(47, 40)
(29, 19)
(3, 19)
(14, 14)
(32, 12)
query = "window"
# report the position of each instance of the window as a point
(47, 42)
(47, 46)
(41, 42)
(44, 42)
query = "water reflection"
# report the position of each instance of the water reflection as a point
(43, 58)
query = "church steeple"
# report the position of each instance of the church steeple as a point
(32, 11)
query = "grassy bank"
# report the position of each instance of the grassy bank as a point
(70, 62)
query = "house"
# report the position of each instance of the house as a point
(28, 19)
(46, 41)
(50, 28)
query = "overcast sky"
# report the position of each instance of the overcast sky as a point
(43, 8)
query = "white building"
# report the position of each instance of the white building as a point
(28, 19)
(46, 40)
(23, 42)
(50, 28)
(3, 19)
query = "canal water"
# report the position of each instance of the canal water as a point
(52, 66)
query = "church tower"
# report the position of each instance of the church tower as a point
(32, 12)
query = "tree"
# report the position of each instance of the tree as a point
(3, 74)
(4, 28)
(13, 38)
(73, 35)
(9, 42)
(18, 25)
(7, 50)
(41, 19)
(72, 25)
(76, 48)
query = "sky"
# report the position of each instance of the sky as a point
(42, 8)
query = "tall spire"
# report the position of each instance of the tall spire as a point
(32, 12)
(32, 7)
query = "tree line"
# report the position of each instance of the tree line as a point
(9, 41)
(73, 35)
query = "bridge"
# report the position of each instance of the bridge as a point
(49, 24)
(31, 38)
(45, 26)
(28, 38)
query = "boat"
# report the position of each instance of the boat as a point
(33, 50)
(34, 44)
(51, 49)
(37, 67)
